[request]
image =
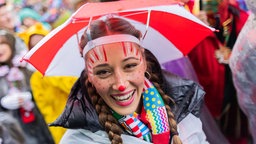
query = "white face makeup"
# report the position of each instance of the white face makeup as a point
(117, 72)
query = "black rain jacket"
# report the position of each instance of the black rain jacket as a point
(80, 113)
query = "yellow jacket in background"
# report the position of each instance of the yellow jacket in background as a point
(51, 94)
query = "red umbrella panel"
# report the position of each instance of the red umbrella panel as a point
(170, 33)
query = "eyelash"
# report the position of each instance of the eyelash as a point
(132, 65)
(101, 72)
(105, 73)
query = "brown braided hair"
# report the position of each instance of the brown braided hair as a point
(154, 68)
(109, 26)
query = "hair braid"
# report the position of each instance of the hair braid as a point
(105, 117)
(154, 68)
(172, 121)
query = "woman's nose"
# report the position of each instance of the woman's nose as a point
(120, 82)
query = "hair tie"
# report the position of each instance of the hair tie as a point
(174, 133)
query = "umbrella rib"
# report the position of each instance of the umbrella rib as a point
(147, 25)
(82, 20)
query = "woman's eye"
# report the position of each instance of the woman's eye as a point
(131, 65)
(102, 73)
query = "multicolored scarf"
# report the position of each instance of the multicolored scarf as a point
(152, 124)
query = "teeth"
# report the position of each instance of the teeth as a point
(124, 97)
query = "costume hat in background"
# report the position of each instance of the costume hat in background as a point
(38, 29)
(29, 13)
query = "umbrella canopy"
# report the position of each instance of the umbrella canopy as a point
(170, 33)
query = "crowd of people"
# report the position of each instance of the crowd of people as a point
(205, 97)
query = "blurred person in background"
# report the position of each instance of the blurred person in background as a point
(46, 89)
(228, 18)
(208, 72)
(29, 17)
(7, 17)
(212, 68)
(58, 11)
(243, 66)
(9, 20)
(10, 130)
(15, 95)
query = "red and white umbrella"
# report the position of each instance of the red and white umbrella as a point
(171, 32)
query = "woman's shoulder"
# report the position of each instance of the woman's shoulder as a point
(191, 130)
(78, 112)
(187, 94)
(84, 136)
(98, 137)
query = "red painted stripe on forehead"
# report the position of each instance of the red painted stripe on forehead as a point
(137, 52)
(131, 47)
(125, 54)
(89, 66)
(96, 54)
(91, 60)
(104, 52)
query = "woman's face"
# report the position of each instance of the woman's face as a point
(117, 72)
(5, 52)
(34, 39)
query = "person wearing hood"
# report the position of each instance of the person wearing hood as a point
(28, 17)
(46, 89)
(15, 92)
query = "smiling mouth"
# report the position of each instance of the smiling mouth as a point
(123, 97)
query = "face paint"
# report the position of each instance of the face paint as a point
(121, 88)
(98, 54)
(118, 75)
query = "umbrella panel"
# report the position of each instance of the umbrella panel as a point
(178, 30)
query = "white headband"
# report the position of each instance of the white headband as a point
(110, 39)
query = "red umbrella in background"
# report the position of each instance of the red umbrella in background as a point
(170, 33)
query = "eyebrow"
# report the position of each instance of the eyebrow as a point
(126, 59)
(101, 65)
(105, 64)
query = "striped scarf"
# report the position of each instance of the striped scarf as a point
(152, 124)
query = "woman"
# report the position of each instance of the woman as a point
(15, 96)
(112, 102)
